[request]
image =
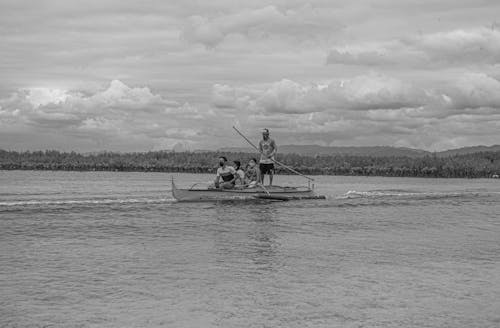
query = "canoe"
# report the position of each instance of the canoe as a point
(272, 193)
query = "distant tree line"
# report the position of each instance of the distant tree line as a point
(475, 165)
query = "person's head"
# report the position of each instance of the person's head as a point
(252, 162)
(265, 134)
(237, 164)
(222, 160)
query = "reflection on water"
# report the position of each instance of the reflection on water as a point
(246, 232)
(263, 243)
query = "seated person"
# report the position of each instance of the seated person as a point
(225, 173)
(252, 174)
(240, 174)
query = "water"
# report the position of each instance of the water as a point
(107, 249)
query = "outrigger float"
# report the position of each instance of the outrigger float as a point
(257, 192)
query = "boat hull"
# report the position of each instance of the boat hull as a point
(276, 193)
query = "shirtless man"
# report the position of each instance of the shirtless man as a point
(268, 149)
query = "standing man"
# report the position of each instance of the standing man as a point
(268, 149)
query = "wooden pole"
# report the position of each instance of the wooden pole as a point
(275, 161)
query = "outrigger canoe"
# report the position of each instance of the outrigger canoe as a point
(276, 193)
(257, 192)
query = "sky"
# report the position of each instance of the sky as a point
(153, 75)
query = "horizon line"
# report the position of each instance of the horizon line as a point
(228, 149)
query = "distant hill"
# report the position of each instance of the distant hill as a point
(313, 150)
(374, 151)
(468, 150)
(377, 151)
(236, 150)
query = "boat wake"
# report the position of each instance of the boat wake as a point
(350, 198)
(99, 201)
(410, 194)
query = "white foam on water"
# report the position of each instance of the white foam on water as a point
(85, 201)
(353, 194)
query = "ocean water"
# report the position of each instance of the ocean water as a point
(109, 249)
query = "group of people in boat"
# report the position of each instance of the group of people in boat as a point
(229, 177)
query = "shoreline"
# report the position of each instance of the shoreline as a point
(473, 165)
(213, 172)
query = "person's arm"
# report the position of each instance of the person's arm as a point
(216, 181)
(275, 149)
(258, 174)
(246, 180)
(237, 176)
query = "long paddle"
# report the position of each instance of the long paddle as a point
(275, 161)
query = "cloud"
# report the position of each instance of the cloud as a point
(360, 57)
(44, 104)
(376, 91)
(287, 96)
(474, 90)
(225, 96)
(372, 109)
(119, 95)
(110, 116)
(462, 46)
(43, 96)
(124, 75)
(371, 91)
(298, 23)
(367, 109)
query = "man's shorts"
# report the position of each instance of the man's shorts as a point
(266, 168)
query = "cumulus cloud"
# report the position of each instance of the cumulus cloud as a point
(371, 91)
(225, 96)
(372, 109)
(376, 91)
(461, 46)
(287, 96)
(44, 104)
(474, 90)
(119, 95)
(470, 46)
(43, 96)
(110, 116)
